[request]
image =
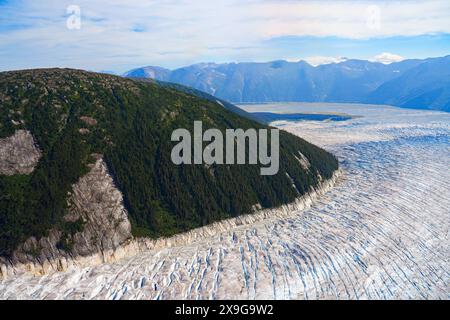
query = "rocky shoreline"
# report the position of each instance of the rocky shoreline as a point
(133, 247)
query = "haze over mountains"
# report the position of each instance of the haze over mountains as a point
(414, 83)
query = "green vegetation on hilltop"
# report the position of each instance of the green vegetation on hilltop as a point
(133, 122)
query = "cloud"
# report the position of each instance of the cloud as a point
(119, 34)
(319, 60)
(387, 58)
(353, 19)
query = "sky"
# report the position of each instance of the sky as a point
(118, 35)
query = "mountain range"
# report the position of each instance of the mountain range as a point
(413, 83)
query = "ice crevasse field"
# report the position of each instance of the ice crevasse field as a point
(381, 233)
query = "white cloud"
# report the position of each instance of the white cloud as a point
(387, 58)
(353, 19)
(319, 60)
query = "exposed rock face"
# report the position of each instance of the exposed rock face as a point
(88, 120)
(18, 154)
(99, 204)
(304, 162)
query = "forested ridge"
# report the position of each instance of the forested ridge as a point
(74, 115)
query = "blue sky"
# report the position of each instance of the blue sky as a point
(120, 35)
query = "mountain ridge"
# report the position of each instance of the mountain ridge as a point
(349, 81)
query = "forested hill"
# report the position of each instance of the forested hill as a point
(75, 116)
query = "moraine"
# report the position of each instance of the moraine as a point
(381, 233)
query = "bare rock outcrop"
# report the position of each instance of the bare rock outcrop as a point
(18, 153)
(97, 201)
(98, 204)
(88, 120)
(303, 160)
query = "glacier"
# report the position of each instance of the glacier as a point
(381, 233)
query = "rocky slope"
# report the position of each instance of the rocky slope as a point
(18, 154)
(98, 204)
